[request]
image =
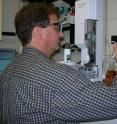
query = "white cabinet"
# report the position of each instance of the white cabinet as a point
(114, 121)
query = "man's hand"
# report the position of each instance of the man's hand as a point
(115, 49)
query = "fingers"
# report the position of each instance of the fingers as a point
(115, 49)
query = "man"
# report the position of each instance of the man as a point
(37, 90)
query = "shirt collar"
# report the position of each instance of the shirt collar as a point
(35, 51)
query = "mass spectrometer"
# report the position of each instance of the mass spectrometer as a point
(90, 36)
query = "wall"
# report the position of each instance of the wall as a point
(111, 23)
(9, 9)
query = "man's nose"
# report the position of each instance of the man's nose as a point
(61, 34)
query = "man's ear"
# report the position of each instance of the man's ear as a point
(37, 33)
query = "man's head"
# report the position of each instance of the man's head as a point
(37, 25)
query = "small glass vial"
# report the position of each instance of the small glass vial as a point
(111, 72)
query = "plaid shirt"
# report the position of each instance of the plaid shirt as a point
(37, 90)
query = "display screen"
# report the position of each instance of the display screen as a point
(6, 55)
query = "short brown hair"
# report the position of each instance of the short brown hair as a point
(29, 16)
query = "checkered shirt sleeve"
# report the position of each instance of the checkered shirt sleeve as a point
(37, 90)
